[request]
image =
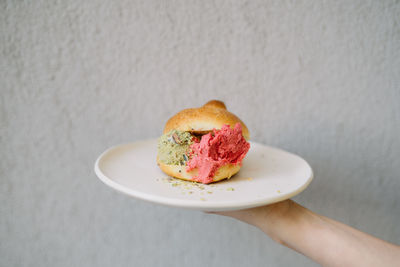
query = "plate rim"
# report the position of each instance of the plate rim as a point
(196, 204)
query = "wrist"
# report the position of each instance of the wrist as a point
(281, 219)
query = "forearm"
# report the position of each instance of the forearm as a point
(326, 241)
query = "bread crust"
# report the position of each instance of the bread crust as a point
(212, 115)
(179, 171)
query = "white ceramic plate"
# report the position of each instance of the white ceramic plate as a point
(268, 175)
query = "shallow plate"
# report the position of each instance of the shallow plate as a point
(268, 175)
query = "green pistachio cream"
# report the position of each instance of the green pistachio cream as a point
(173, 147)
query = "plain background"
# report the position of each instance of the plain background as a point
(317, 78)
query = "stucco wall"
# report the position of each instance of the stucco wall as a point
(317, 78)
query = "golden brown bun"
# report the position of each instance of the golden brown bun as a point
(204, 119)
(213, 115)
(178, 171)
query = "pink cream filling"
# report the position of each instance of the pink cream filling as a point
(217, 149)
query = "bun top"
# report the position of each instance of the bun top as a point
(204, 119)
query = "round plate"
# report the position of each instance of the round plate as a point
(267, 175)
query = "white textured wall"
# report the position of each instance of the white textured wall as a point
(318, 78)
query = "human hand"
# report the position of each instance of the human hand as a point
(266, 218)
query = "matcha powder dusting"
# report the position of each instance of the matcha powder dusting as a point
(173, 147)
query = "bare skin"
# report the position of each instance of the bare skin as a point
(328, 242)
